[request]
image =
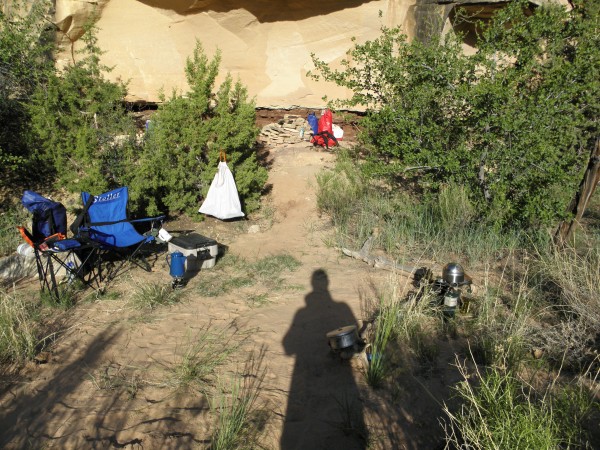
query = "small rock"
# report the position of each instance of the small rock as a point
(252, 229)
(42, 358)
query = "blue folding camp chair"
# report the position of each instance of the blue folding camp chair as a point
(53, 251)
(104, 221)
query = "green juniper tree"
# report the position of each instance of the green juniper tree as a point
(185, 139)
(79, 122)
(25, 63)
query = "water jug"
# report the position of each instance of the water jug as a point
(176, 262)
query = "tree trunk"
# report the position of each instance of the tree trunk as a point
(582, 197)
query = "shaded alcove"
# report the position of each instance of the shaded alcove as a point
(467, 18)
(265, 11)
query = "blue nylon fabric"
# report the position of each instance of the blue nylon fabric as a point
(112, 207)
(41, 208)
(313, 122)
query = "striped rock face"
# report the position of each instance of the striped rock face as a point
(267, 43)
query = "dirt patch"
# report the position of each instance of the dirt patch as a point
(108, 380)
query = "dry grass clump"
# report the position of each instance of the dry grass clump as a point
(200, 357)
(19, 328)
(569, 283)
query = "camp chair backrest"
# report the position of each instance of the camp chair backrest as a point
(106, 220)
(49, 217)
(107, 208)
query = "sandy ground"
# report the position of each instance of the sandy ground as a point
(106, 384)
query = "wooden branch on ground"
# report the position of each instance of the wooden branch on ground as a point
(379, 262)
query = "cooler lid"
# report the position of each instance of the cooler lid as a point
(192, 241)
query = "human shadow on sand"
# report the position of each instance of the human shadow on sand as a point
(324, 409)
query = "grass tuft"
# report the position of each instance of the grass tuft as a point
(19, 329)
(446, 223)
(236, 273)
(568, 281)
(384, 325)
(239, 420)
(351, 418)
(117, 378)
(500, 411)
(200, 358)
(153, 295)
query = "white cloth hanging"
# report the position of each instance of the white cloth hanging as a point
(222, 200)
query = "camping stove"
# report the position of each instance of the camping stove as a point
(447, 288)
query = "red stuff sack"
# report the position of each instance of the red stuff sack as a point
(325, 137)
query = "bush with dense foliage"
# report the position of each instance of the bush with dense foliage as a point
(186, 136)
(80, 125)
(514, 123)
(25, 44)
(72, 124)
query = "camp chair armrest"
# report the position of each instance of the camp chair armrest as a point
(149, 219)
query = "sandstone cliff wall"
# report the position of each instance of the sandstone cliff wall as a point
(267, 43)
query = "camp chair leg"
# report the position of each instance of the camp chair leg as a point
(46, 275)
(117, 266)
(140, 260)
(85, 268)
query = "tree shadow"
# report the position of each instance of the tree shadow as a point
(264, 10)
(62, 412)
(324, 407)
(24, 419)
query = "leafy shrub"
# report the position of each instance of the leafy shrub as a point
(25, 63)
(80, 125)
(513, 123)
(10, 218)
(187, 134)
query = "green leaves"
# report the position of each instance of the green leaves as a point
(80, 125)
(182, 150)
(25, 62)
(513, 123)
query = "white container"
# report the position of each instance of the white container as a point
(164, 235)
(451, 299)
(201, 252)
(25, 250)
